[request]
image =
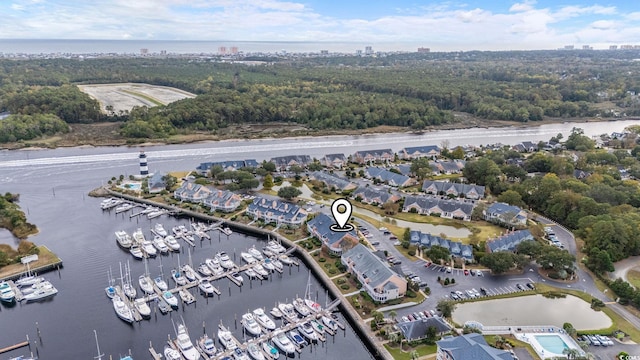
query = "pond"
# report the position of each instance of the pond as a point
(533, 311)
(448, 231)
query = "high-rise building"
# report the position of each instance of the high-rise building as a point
(144, 51)
(222, 50)
(234, 50)
(423, 50)
(613, 47)
(368, 50)
(586, 47)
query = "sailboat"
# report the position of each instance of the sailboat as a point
(312, 305)
(110, 290)
(100, 355)
(128, 290)
(159, 280)
(28, 278)
(145, 282)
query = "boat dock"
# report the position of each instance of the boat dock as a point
(15, 346)
(16, 290)
(136, 314)
(154, 354)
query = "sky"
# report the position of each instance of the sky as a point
(439, 25)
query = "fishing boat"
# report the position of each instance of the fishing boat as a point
(225, 338)
(297, 339)
(170, 299)
(283, 343)
(207, 345)
(186, 296)
(122, 310)
(124, 239)
(263, 319)
(188, 272)
(250, 324)
(160, 283)
(159, 230)
(268, 265)
(138, 236)
(285, 259)
(160, 244)
(224, 260)
(254, 351)
(206, 288)
(171, 353)
(185, 345)
(145, 284)
(239, 354)
(255, 253)
(237, 277)
(43, 291)
(172, 243)
(270, 350)
(276, 313)
(204, 270)
(178, 278)
(142, 307)
(148, 248)
(136, 251)
(260, 270)
(306, 330)
(6, 293)
(248, 258)
(287, 310)
(300, 307)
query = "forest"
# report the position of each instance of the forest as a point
(414, 91)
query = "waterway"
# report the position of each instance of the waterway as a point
(538, 310)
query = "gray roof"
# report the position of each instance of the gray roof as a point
(504, 212)
(472, 346)
(369, 193)
(413, 330)
(510, 241)
(235, 164)
(156, 181)
(333, 157)
(332, 180)
(278, 208)
(374, 153)
(405, 169)
(444, 186)
(446, 205)
(368, 265)
(422, 149)
(321, 225)
(301, 160)
(386, 175)
(428, 240)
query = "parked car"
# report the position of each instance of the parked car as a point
(433, 312)
(520, 287)
(375, 243)
(405, 319)
(427, 264)
(454, 296)
(449, 270)
(531, 286)
(466, 272)
(483, 291)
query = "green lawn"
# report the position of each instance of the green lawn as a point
(399, 354)
(516, 343)
(633, 276)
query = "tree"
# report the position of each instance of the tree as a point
(215, 171)
(393, 315)
(296, 169)
(483, 172)
(390, 207)
(169, 181)
(406, 235)
(438, 253)
(499, 262)
(377, 317)
(554, 258)
(446, 307)
(578, 141)
(420, 168)
(499, 341)
(414, 353)
(268, 182)
(269, 166)
(511, 197)
(288, 192)
(530, 248)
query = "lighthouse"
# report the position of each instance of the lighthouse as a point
(144, 169)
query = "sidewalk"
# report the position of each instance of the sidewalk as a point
(399, 306)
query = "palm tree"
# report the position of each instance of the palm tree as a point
(394, 337)
(498, 340)
(571, 353)
(393, 314)
(414, 354)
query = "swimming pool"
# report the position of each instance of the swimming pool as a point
(551, 343)
(131, 186)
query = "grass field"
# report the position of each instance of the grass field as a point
(633, 276)
(45, 257)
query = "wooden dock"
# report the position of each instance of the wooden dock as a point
(15, 346)
(154, 354)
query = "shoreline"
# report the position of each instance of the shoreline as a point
(199, 138)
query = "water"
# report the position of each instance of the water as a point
(540, 311)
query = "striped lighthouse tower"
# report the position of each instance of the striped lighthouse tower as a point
(144, 169)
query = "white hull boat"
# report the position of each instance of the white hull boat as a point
(185, 345)
(300, 307)
(276, 313)
(224, 260)
(285, 259)
(149, 249)
(214, 266)
(170, 299)
(188, 272)
(239, 354)
(260, 270)
(124, 239)
(172, 243)
(297, 339)
(159, 229)
(160, 245)
(275, 248)
(129, 290)
(138, 236)
(186, 296)
(122, 310)
(145, 284)
(43, 290)
(330, 323)
(237, 277)
(248, 258)
(254, 351)
(178, 277)
(206, 288)
(268, 265)
(171, 353)
(204, 270)
(6, 293)
(307, 331)
(283, 343)
(136, 252)
(263, 319)
(270, 350)
(312, 305)
(207, 345)
(160, 283)
(226, 339)
(142, 307)
(251, 325)
(255, 253)
(287, 310)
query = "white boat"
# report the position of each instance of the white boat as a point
(278, 264)
(214, 265)
(177, 231)
(330, 323)
(178, 277)
(43, 290)
(172, 243)
(306, 330)
(160, 244)
(124, 239)
(28, 280)
(224, 260)
(268, 264)
(254, 351)
(250, 324)
(300, 307)
(185, 345)
(145, 284)
(129, 290)
(226, 231)
(109, 290)
(238, 277)
(110, 203)
(287, 310)
(285, 259)
(155, 214)
(270, 350)
(248, 258)
(148, 248)
(276, 313)
(317, 326)
(263, 319)
(122, 310)
(275, 247)
(6, 293)
(188, 272)
(171, 353)
(252, 274)
(138, 236)
(260, 270)
(207, 345)
(148, 209)
(159, 230)
(255, 253)
(226, 339)
(188, 235)
(312, 305)
(186, 296)
(142, 307)
(206, 288)
(268, 253)
(283, 343)
(170, 299)
(160, 283)
(124, 207)
(204, 270)
(136, 252)
(239, 354)
(297, 338)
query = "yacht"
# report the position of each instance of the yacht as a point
(43, 290)
(110, 203)
(237, 277)
(214, 265)
(252, 274)
(226, 230)
(124, 207)
(250, 324)
(268, 252)
(207, 345)
(312, 305)
(255, 253)
(122, 310)
(275, 248)
(145, 284)
(268, 264)
(136, 252)
(297, 339)
(224, 260)
(284, 343)
(138, 236)
(148, 248)
(260, 270)
(278, 264)
(154, 214)
(317, 326)
(226, 339)
(178, 278)
(124, 239)
(177, 231)
(239, 354)
(160, 244)
(276, 313)
(307, 331)
(285, 259)
(330, 323)
(6, 293)
(170, 299)
(300, 307)
(263, 319)
(160, 283)
(186, 296)
(206, 288)
(171, 353)
(142, 307)
(255, 352)
(159, 229)
(248, 258)
(188, 272)
(270, 350)
(185, 345)
(287, 310)
(172, 243)
(28, 280)
(204, 270)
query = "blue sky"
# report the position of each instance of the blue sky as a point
(440, 25)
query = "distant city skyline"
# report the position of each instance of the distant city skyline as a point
(438, 25)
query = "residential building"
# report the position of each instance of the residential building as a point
(223, 200)
(509, 241)
(580, 174)
(435, 206)
(447, 167)
(373, 156)
(336, 242)
(417, 330)
(372, 195)
(335, 161)
(525, 146)
(457, 249)
(276, 211)
(453, 189)
(333, 181)
(377, 279)
(156, 183)
(192, 192)
(389, 177)
(233, 165)
(409, 153)
(405, 169)
(469, 346)
(505, 215)
(284, 163)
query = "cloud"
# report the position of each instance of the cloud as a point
(524, 6)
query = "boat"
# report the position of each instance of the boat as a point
(312, 305)
(145, 284)
(154, 214)
(186, 296)
(138, 236)
(268, 264)
(226, 339)
(285, 259)
(330, 323)
(110, 290)
(248, 258)
(226, 231)
(300, 307)
(188, 272)
(254, 351)
(188, 236)
(124, 239)
(28, 279)
(252, 274)
(42, 291)
(160, 244)
(239, 354)
(148, 248)
(275, 247)
(224, 260)
(287, 310)
(170, 299)
(163, 306)
(142, 307)
(306, 330)
(270, 350)
(172, 243)
(124, 207)
(250, 324)
(260, 270)
(255, 253)
(204, 270)
(317, 326)
(159, 230)
(110, 203)
(6, 293)
(178, 278)
(129, 290)
(122, 310)
(283, 343)
(207, 345)
(278, 264)
(237, 277)
(268, 252)
(276, 313)
(214, 265)
(206, 288)
(177, 231)
(160, 283)
(297, 339)
(171, 353)
(185, 345)
(263, 319)
(148, 209)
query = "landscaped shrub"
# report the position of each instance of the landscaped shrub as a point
(412, 253)
(341, 281)
(327, 266)
(322, 259)
(446, 281)
(453, 281)
(345, 287)
(332, 271)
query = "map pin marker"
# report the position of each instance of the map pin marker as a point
(341, 211)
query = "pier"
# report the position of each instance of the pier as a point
(15, 346)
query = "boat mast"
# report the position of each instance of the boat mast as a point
(100, 355)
